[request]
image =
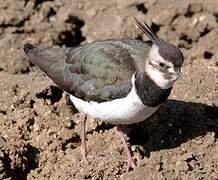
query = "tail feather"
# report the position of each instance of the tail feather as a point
(48, 60)
(28, 47)
(51, 61)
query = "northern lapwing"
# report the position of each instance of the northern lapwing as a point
(118, 81)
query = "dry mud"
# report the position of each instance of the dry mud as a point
(39, 136)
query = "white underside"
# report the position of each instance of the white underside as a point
(127, 110)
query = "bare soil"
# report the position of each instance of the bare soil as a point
(39, 136)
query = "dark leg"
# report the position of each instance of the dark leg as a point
(130, 161)
(82, 123)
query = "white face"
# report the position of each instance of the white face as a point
(160, 71)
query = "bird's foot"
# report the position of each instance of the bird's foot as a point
(84, 155)
(130, 164)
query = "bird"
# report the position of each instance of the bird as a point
(119, 81)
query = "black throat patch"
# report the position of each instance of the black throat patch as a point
(149, 93)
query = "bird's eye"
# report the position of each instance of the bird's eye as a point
(161, 64)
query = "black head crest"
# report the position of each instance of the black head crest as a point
(147, 30)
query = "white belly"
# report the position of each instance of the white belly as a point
(127, 110)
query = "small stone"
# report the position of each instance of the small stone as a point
(178, 163)
(36, 127)
(91, 13)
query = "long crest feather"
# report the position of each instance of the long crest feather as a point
(147, 30)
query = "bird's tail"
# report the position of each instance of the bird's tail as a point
(28, 47)
(48, 60)
(51, 61)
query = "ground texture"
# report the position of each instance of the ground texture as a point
(39, 136)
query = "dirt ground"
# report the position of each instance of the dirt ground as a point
(39, 136)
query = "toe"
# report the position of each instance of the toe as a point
(130, 165)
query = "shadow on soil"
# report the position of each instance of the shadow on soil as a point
(29, 158)
(175, 123)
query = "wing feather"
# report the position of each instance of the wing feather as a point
(98, 71)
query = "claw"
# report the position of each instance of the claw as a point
(130, 164)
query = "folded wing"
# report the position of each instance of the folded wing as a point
(98, 71)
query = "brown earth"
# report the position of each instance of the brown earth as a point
(39, 137)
